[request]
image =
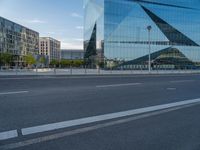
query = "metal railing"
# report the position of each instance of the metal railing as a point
(87, 71)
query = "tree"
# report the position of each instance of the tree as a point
(6, 58)
(65, 63)
(101, 64)
(42, 60)
(1, 61)
(54, 63)
(30, 60)
(78, 63)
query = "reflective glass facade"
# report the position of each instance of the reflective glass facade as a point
(121, 28)
(17, 40)
(93, 29)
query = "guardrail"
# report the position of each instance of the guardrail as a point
(84, 71)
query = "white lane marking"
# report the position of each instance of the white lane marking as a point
(17, 92)
(171, 89)
(182, 81)
(8, 135)
(117, 85)
(87, 129)
(71, 123)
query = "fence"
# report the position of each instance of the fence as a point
(86, 71)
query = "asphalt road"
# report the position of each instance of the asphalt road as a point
(30, 102)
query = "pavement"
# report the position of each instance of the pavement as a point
(76, 71)
(113, 112)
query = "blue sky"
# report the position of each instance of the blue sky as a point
(60, 19)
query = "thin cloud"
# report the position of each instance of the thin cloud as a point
(68, 45)
(76, 15)
(71, 43)
(36, 21)
(50, 32)
(79, 27)
(80, 40)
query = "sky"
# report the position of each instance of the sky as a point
(59, 19)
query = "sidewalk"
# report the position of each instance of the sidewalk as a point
(91, 72)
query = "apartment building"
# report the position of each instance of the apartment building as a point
(17, 40)
(50, 47)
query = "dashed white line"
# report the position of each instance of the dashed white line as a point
(17, 92)
(83, 121)
(8, 135)
(182, 81)
(118, 85)
(171, 89)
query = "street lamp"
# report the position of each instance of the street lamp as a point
(149, 39)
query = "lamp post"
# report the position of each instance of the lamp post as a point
(149, 39)
(71, 63)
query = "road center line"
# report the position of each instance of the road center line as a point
(10, 93)
(8, 135)
(182, 81)
(171, 89)
(117, 85)
(83, 121)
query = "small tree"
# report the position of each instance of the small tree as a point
(1, 61)
(42, 60)
(30, 60)
(78, 63)
(54, 63)
(65, 63)
(6, 58)
(101, 65)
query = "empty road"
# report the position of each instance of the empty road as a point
(119, 112)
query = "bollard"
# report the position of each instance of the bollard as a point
(36, 71)
(54, 71)
(70, 70)
(85, 70)
(98, 70)
(16, 71)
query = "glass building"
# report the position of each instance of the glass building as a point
(18, 41)
(71, 54)
(116, 33)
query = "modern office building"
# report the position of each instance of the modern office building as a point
(50, 47)
(18, 41)
(72, 54)
(117, 29)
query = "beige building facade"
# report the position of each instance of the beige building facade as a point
(50, 47)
